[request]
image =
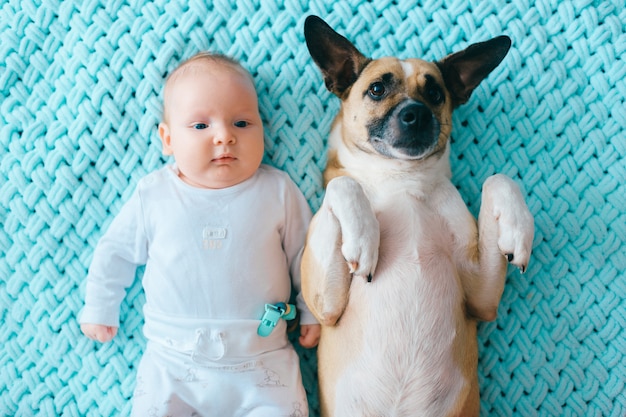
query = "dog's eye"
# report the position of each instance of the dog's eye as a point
(435, 95)
(376, 90)
(433, 92)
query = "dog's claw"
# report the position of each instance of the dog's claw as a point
(353, 266)
(521, 267)
(510, 257)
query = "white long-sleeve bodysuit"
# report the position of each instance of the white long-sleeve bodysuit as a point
(213, 259)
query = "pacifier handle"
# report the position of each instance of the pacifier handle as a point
(273, 313)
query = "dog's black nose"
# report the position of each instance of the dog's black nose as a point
(415, 116)
(408, 130)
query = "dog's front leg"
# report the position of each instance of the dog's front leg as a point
(505, 234)
(342, 242)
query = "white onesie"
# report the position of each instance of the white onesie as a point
(213, 259)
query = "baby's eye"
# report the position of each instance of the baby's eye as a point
(200, 126)
(241, 123)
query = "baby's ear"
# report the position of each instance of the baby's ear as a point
(164, 134)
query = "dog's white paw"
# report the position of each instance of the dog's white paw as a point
(359, 227)
(360, 249)
(516, 226)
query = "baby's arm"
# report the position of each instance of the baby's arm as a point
(98, 332)
(309, 335)
(298, 219)
(112, 271)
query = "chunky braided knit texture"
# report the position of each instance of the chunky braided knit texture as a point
(81, 84)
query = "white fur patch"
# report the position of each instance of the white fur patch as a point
(408, 69)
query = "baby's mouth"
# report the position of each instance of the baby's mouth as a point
(224, 158)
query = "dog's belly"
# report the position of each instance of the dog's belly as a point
(413, 341)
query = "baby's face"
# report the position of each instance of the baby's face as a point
(213, 129)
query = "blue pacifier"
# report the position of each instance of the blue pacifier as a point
(273, 313)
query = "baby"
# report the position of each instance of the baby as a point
(221, 237)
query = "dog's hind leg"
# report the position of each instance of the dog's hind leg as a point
(342, 242)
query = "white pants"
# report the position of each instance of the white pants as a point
(220, 374)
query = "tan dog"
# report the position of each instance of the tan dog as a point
(395, 267)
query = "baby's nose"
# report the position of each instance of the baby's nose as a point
(223, 135)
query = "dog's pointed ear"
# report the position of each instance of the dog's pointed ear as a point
(338, 59)
(464, 70)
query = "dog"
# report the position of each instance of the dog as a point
(395, 267)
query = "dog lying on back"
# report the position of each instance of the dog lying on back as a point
(395, 267)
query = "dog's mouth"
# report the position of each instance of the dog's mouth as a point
(408, 131)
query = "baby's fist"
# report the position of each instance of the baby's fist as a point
(98, 332)
(309, 335)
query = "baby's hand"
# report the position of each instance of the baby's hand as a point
(309, 335)
(98, 332)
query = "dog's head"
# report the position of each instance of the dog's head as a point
(400, 109)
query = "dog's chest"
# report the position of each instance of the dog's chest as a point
(413, 309)
(413, 230)
(415, 267)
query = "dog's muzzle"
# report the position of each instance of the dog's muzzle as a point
(408, 131)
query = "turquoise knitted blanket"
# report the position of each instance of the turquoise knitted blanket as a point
(81, 86)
